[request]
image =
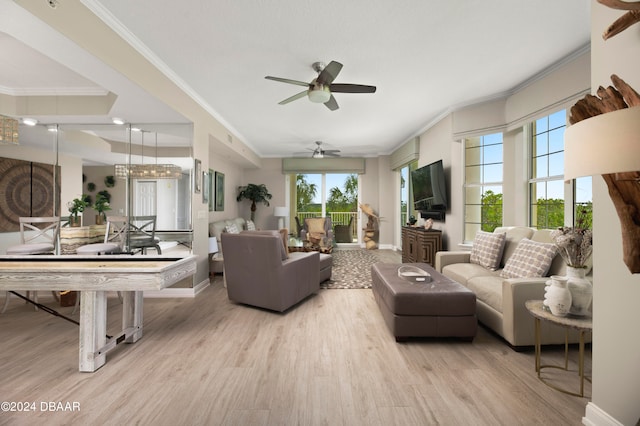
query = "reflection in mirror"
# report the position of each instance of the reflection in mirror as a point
(134, 148)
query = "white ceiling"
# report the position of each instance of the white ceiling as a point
(426, 58)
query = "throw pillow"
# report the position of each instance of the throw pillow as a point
(251, 226)
(315, 225)
(284, 235)
(530, 259)
(487, 249)
(232, 229)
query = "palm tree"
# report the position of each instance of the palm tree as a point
(255, 193)
(305, 192)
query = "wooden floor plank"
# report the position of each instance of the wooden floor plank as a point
(328, 360)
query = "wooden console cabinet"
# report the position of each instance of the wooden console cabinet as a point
(420, 245)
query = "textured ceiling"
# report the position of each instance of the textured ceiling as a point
(425, 57)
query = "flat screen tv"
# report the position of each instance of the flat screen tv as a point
(430, 190)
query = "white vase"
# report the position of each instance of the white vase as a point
(557, 296)
(581, 291)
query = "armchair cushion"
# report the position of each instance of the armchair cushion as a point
(266, 280)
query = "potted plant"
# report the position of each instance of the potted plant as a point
(76, 206)
(255, 193)
(101, 205)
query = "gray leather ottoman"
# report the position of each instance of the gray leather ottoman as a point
(440, 308)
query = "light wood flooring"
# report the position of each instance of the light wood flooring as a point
(328, 361)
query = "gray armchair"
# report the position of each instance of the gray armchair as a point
(259, 272)
(318, 231)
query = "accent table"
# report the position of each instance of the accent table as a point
(582, 324)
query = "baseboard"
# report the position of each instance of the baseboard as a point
(594, 416)
(174, 293)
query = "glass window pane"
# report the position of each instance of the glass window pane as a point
(493, 173)
(555, 189)
(541, 146)
(472, 174)
(494, 138)
(542, 125)
(473, 194)
(556, 140)
(472, 142)
(472, 156)
(556, 164)
(493, 154)
(541, 167)
(473, 213)
(558, 119)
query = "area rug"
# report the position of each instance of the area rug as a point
(351, 269)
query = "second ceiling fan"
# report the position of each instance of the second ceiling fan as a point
(321, 88)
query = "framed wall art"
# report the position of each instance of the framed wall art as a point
(219, 193)
(206, 187)
(197, 176)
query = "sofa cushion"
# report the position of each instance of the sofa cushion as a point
(487, 249)
(487, 289)
(530, 259)
(514, 235)
(251, 226)
(463, 272)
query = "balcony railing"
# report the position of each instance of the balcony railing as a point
(337, 218)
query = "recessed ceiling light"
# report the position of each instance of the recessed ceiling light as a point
(118, 121)
(135, 129)
(29, 121)
(52, 127)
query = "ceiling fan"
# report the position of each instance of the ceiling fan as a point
(318, 152)
(321, 88)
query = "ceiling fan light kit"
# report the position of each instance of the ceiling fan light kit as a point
(319, 94)
(320, 90)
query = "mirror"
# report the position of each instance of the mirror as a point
(121, 163)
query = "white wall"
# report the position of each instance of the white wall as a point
(616, 292)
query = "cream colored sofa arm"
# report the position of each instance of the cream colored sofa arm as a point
(444, 258)
(517, 321)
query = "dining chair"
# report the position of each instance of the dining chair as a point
(142, 234)
(114, 238)
(38, 235)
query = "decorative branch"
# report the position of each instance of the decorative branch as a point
(625, 21)
(624, 188)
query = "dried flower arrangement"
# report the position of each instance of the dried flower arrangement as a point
(574, 245)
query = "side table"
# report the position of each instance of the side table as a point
(582, 324)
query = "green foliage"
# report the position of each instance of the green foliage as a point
(305, 192)
(491, 212)
(347, 200)
(256, 194)
(584, 216)
(549, 213)
(102, 203)
(77, 205)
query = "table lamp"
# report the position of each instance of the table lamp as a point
(280, 213)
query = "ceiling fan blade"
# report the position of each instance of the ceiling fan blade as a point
(331, 151)
(330, 154)
(329, 73)
(294, 97)
(286, 80)
(352, 88)
(332, 104)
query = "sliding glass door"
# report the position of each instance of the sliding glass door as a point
(329, 194)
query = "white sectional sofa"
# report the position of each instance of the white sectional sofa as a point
(501, 301)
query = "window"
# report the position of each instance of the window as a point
(546, 183)
(334, 195)
(483, 184)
